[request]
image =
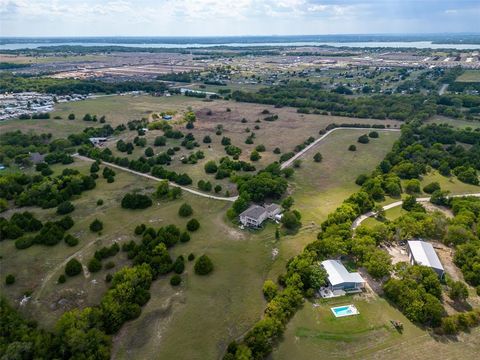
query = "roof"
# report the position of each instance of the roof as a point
(254, 212)
(36, 157)
(424, 254)
(338, 274)
(272, 207)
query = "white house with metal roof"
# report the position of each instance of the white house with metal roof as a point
(423, 253)
(340, 279)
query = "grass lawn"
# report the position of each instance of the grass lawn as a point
(458, 123)
(319, 188)
(314, 333)
(469, 76)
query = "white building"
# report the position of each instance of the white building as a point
(255, 215)
(340, 279)
(422, 253)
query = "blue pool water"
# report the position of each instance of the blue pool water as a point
(347, 310)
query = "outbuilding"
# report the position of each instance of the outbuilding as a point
(423, 253)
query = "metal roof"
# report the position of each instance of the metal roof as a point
(338, 274)
(424, 254)
(254, 212)
(272, 207)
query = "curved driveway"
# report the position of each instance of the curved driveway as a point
(356, 223)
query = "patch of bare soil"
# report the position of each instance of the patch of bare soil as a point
(432, 208)
(397, 252)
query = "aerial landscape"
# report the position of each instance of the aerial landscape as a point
(239, 180)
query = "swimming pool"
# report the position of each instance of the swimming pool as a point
(347, 310)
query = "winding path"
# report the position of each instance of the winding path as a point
(313, 144)
(192, 191)
(357, 222)
(231, 198)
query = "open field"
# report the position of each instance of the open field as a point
(18, 59)
(315, 333)
(438, 119)
(469, 76)
(319, 188)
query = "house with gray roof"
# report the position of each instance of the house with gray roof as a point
(37, 158)
(255, 215)
(340, 279)
(423, 253)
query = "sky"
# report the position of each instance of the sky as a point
(237, 17)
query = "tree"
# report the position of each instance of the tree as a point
(352, 148)
(203, 265)
(160, 141)
(409, 203)
(458, 291)
(162, 189)
(373, 134)
(193, 225)
(136, 201)
(185, 210)
(65, 207)
(149, 152)
(73, 267)
(96, 226)
(363, 139)
(217, 188)
(94, 265)
(207, 139)
(270, 289)
(317, 157)
(9, 279)
(175, 280)
(290, 220)
(71, 117)
(94, 168)
(431, 188)
(287, 203)
(70, 240)
(412, 186)
(210, 167)
(255, 156)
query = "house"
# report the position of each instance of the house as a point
(255, 215)
(422, 253)
(97, 141)
(36, 158)
(340, 279)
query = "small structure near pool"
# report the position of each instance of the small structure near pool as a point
(342, 311)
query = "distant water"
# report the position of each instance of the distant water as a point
(370, 44)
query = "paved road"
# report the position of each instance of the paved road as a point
(362, 218)
(309, 147)
(192, 191)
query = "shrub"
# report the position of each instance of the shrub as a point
(260, 148)
(140, 229)
(149, 152)
(203, 265)
(65, 207)
(99, 202)
(193, 225)
(270, 289)
(191, 257)
(96, 226)
(431, 188)
(317, 157)
(185, 237)
(207, 139)
(24, 242)
(73, 267)
(277, 150)
(217, 188)
(94, 265)
(61, 279)
(373, 134)
(290, 220)
(9, 279)
(297, 163)
(160, 141)
(185, 210)
(175, 280)
(210, 167)
(363, 139)
(109, 265)
(179, 265)
(255, 156)
(108, 278)
(352, 148)
(136, 201)
(70, 240)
